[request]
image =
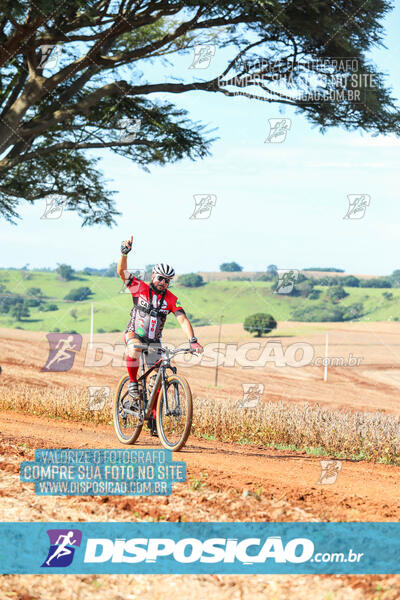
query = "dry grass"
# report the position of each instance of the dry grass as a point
(341, 433)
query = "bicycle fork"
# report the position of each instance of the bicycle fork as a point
(159, 382)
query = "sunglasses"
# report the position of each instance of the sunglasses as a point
(160, 278)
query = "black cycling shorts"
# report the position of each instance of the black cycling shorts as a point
(151, 350)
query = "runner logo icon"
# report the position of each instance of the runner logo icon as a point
(63, 347)
(62, 550)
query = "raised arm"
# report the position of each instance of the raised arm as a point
(126, 247)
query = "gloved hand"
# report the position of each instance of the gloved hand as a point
(126, 246)
(198, 348)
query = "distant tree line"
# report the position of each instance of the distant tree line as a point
(352, 281)
(326, 269)
(17, 306)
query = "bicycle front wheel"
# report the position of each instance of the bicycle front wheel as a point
(174, 413)
(127, 426)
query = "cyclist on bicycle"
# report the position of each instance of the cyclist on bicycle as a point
(151, 305)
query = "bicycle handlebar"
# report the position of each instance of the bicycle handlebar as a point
(173, 352)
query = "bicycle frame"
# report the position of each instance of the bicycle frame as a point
(161, 365)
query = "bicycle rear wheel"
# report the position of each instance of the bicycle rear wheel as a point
(127, 426)
(174, 425)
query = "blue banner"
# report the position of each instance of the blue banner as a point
(130, 472)
(179, 548)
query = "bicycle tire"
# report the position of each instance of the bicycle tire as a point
(188, 425)
(129, 440)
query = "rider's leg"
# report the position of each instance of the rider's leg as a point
(133, 350)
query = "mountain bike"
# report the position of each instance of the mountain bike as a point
(173, 398)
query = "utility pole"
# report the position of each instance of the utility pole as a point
(326, 358)
(91, 326)
(219, 343)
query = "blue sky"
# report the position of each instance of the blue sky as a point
(276, 203)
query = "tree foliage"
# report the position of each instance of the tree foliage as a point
(79, 294)
(259, 323)
(20, 311)
(191, 280)
(230, 267)
(66, 272)
(272, 270)
(326, 311)
(36, 292)
(53, 116)
(336, 293)
(304, 288)
(377, 282)
(350, 281)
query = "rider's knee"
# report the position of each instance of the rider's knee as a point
(133, 349)
(133, 353)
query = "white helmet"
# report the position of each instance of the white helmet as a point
(164, 270)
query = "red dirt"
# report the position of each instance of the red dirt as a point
(362, 491)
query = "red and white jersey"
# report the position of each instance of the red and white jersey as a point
(141, 321)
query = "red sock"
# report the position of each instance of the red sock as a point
(132, 372)
(133, 368)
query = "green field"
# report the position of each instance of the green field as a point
(234, 299)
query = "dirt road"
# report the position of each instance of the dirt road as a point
(225, 482)
(362, 491)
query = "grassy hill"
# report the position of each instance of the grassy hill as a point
(234, 299)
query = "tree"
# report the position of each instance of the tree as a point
(377, 282)
(20, 311)
(328, 280)
(259, 323)
(48, 307)
(326, 269)
(74, 314)
(353, 311)
(395, 278)
(33, 302)
(314, 294)
(52, 114)
(304, 288)
(318, 313)
(272, 270)
(350, 281)
(387, 295)
(78, 294)
(66, 272)
(9, 301)
(230, 267)
(190, 280)
(336, 293)
(36, 292)
(325, 311)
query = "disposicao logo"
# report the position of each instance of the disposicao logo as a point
(62, 547)
(190, 550)
(248, 551)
